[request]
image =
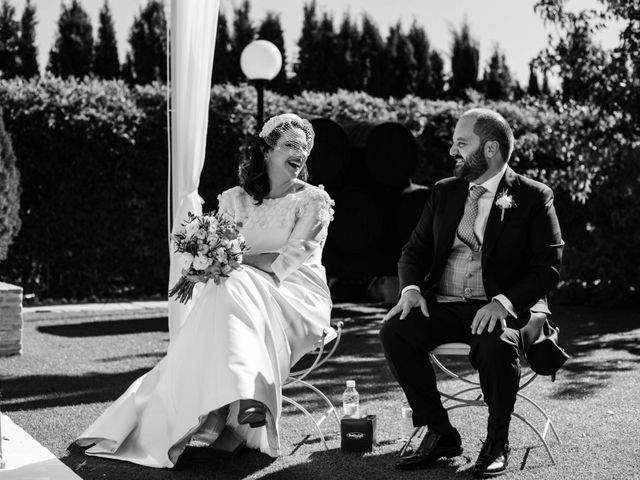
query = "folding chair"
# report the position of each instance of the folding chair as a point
(298, 376)
(471, 396)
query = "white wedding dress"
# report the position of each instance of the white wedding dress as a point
(238, 342)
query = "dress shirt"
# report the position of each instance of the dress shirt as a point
(485, 202)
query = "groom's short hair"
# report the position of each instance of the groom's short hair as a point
(491, 126)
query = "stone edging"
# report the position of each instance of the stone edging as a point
(10, 319)
(97, 311)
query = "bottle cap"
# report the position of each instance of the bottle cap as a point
(351, 383)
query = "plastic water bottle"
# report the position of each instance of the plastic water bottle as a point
(350, 400)
(407, 422)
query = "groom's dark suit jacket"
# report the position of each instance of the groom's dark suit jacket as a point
(521, 254)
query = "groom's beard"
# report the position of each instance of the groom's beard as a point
(473, 166)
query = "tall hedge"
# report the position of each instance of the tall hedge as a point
(75, 142)
(9, 193)
(93, 158)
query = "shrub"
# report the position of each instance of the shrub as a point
(93, 159)
(75, 142)
(9, 193)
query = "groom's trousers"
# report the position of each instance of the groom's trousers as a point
(407, 343)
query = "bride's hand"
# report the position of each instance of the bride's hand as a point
(194, 278)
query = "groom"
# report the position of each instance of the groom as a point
(485, 252)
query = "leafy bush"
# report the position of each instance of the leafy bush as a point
(75, 142)
(93, 158)
(9, 193)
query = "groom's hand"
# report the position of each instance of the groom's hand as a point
(488, 316)
(409, 300)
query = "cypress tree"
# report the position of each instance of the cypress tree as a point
(437, 81)
(72, 54)
(306, 68)
(147, 59)
(105, 61)
(465, 57)
(271, 30)
(243, 34)
(222, 58)
(400, 64)
(328, 79)
(517, 92)
(347, 56)
(27, 50)
(9, 39)
(584, 61)
(420, 43)
(533, 88)
(545, 84)
(497, 78)
(372, 54)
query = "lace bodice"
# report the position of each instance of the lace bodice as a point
(294, 225)
(275, 212)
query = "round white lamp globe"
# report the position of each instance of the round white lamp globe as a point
(260, 60)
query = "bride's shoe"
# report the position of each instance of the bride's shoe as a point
(253, 413)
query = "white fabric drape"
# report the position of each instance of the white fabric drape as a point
(192, 38)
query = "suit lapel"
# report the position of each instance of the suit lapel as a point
(494, 223)
(450, 216)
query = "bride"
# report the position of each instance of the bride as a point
(222, 374)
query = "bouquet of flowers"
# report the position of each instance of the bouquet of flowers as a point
(210, 246)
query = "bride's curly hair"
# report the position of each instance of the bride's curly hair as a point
(252, 171)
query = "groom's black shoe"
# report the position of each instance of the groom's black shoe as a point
(493, 459)
(434, 445)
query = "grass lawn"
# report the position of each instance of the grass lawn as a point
(71, 370)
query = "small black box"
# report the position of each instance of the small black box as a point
(358, 434)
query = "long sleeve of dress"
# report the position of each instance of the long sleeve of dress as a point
(308, 235)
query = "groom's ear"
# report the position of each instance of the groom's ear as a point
(491, 148)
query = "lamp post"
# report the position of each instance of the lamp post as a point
(260, 61)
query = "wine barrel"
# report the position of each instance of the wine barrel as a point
(358, 222)
(331, 155)
(388, 150)
(409, 210)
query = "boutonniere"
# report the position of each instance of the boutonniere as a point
(504, 201)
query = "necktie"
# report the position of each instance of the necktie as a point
(465, 229)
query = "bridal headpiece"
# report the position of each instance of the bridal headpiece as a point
(284, 125)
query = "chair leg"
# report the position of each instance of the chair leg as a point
(306, 412)
(407, 444)
(526, 380)
(331, 409)
(529, 424)
(548, 422)
(456, 396)
(540, 436)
